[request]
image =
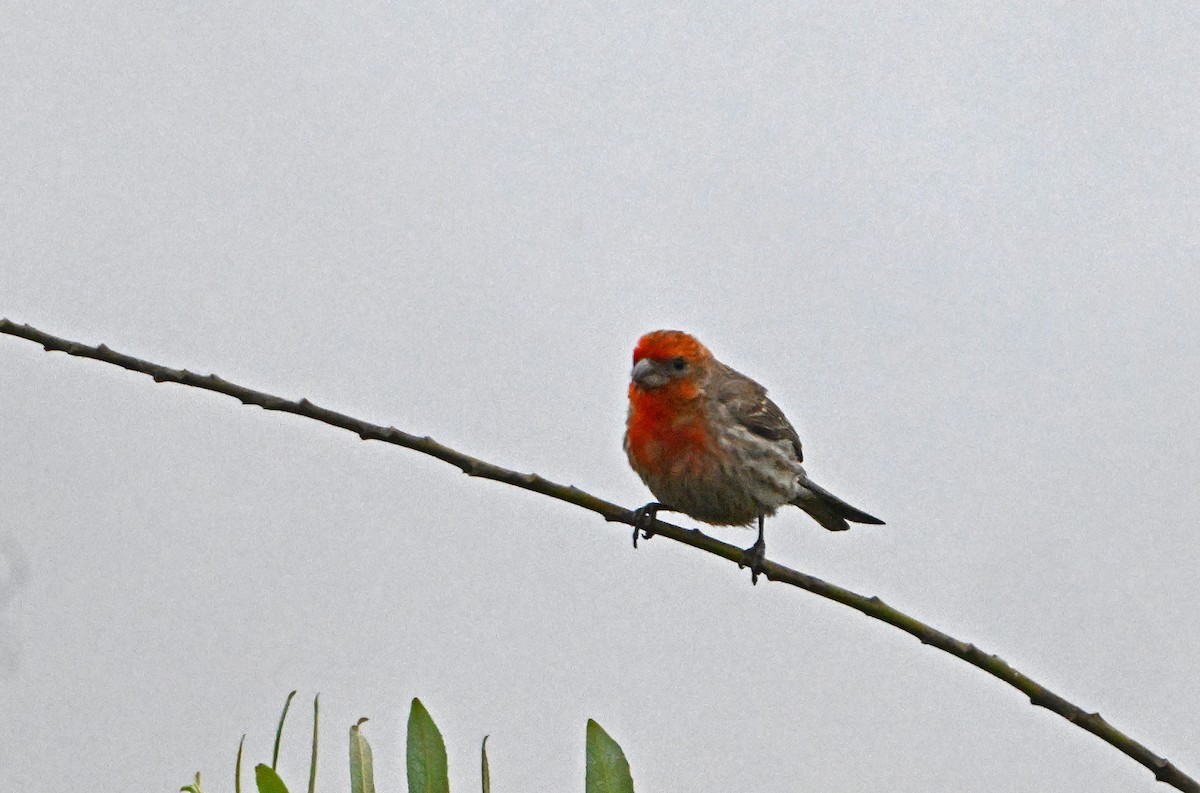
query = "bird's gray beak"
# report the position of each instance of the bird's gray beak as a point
(648, 374)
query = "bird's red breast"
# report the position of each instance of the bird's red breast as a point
(666, 425)
(659, 430)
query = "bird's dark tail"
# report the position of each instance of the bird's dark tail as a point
(829, 510)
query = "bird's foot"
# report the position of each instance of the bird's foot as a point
(644, 519)
(753, 557)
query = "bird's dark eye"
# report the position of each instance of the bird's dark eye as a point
(679, 364)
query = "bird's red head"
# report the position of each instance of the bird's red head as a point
(669, 363)
(664, 345)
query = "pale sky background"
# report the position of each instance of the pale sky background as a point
(960, 244)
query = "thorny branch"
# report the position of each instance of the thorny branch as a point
(1039, 695)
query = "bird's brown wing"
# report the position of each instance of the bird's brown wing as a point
(748, 403)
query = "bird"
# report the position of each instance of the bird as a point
(708, 443)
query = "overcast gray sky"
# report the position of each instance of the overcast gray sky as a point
(960, 244)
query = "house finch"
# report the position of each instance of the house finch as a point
(709, 443)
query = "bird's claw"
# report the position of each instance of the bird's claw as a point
(643, 520)
(753, 557)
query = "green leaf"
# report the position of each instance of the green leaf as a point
(192, 788)
(237, 769)
(487, 776)
(268, 781)
(362, 776)
(312, 766)
(607, 769)
(426, 753)
(279, 729)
